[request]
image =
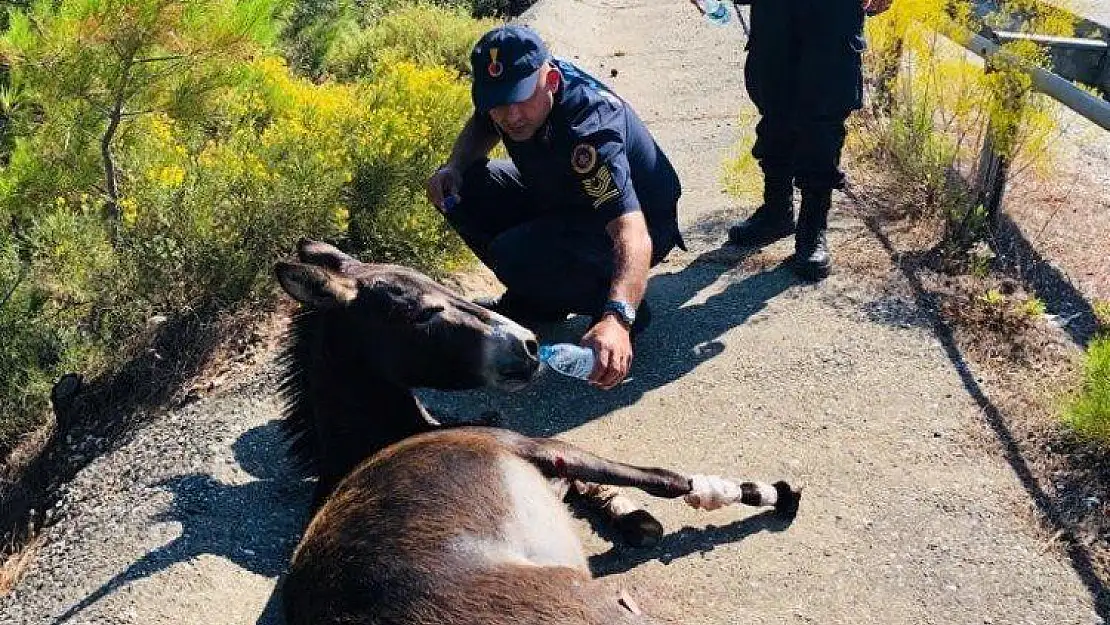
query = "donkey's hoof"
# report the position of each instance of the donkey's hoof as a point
(787, 500)
(639, 529)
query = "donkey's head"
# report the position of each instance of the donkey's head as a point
(403, 327)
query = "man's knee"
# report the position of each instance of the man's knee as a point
(510, 257)
(552, 268)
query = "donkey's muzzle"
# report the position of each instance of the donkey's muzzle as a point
(514, 355)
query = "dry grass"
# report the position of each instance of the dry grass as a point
(13, 568)
(1024, 364)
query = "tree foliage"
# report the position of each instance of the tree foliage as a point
(157, 156)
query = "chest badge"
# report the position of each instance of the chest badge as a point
(583, 158)
(495, 68)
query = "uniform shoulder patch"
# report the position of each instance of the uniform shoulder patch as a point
(583, 158)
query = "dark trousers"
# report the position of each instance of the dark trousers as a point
(804, 74)
(553, 260)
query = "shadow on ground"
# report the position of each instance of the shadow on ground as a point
(1061, 296)
(104, 409)
(1049, 509)
(254, 525)
(685, 542)
(683, 336)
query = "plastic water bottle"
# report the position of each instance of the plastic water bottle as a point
(450, 202)
(568, 359)
(716, 11)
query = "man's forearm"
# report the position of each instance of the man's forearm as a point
(473, 143)
(632, 258)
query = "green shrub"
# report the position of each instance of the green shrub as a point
(27, 348)
(321, 33)
(414, 116)
(220, 168)
(422, 32)
(1102, 315)
(1089, 411)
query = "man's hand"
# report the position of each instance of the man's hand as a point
(874, 7)
(613, 348)
(447, 181)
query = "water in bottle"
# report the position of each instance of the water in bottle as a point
(716, 11)
(570, 360)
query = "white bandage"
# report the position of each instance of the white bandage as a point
(710, 492)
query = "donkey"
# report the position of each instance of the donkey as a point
(419, 523)
(363, 327)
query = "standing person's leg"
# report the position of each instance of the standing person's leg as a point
(830, 88)
(771, 63)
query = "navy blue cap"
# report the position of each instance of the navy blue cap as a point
(505, 65)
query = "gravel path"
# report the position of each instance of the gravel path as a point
(1097, 10)
(911, 514)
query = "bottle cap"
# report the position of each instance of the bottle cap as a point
(546, 351)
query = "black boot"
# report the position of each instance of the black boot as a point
(811, 248)
(770, 222)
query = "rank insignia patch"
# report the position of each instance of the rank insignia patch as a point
(600, 187)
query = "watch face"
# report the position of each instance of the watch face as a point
(626, 312)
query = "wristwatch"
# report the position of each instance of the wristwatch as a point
(623, 310)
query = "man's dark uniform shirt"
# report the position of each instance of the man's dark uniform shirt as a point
(594, 157)
(538, 219)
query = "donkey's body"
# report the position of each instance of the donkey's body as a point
(420, 524)
(447, 528)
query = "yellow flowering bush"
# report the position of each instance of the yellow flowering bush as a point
(327, 156)
(213, 187)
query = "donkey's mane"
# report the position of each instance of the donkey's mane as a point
(380, 413)
(299, 424)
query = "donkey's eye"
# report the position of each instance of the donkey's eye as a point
(427, 314)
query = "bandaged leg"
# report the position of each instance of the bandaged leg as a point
(557, 459)
(710, 492)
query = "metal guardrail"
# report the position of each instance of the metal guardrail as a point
(1082, 59)
(1082, 102)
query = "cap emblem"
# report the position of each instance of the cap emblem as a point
(495, 67)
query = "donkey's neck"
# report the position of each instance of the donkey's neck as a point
(342, 412)
(370, 413)
(373, 406)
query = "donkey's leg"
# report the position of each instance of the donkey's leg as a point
(637, 526)
(559, 459)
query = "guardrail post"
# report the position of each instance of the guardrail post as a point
(889, 65)
(994, 160)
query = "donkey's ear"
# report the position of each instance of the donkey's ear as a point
(315, 286)
(323, 255)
